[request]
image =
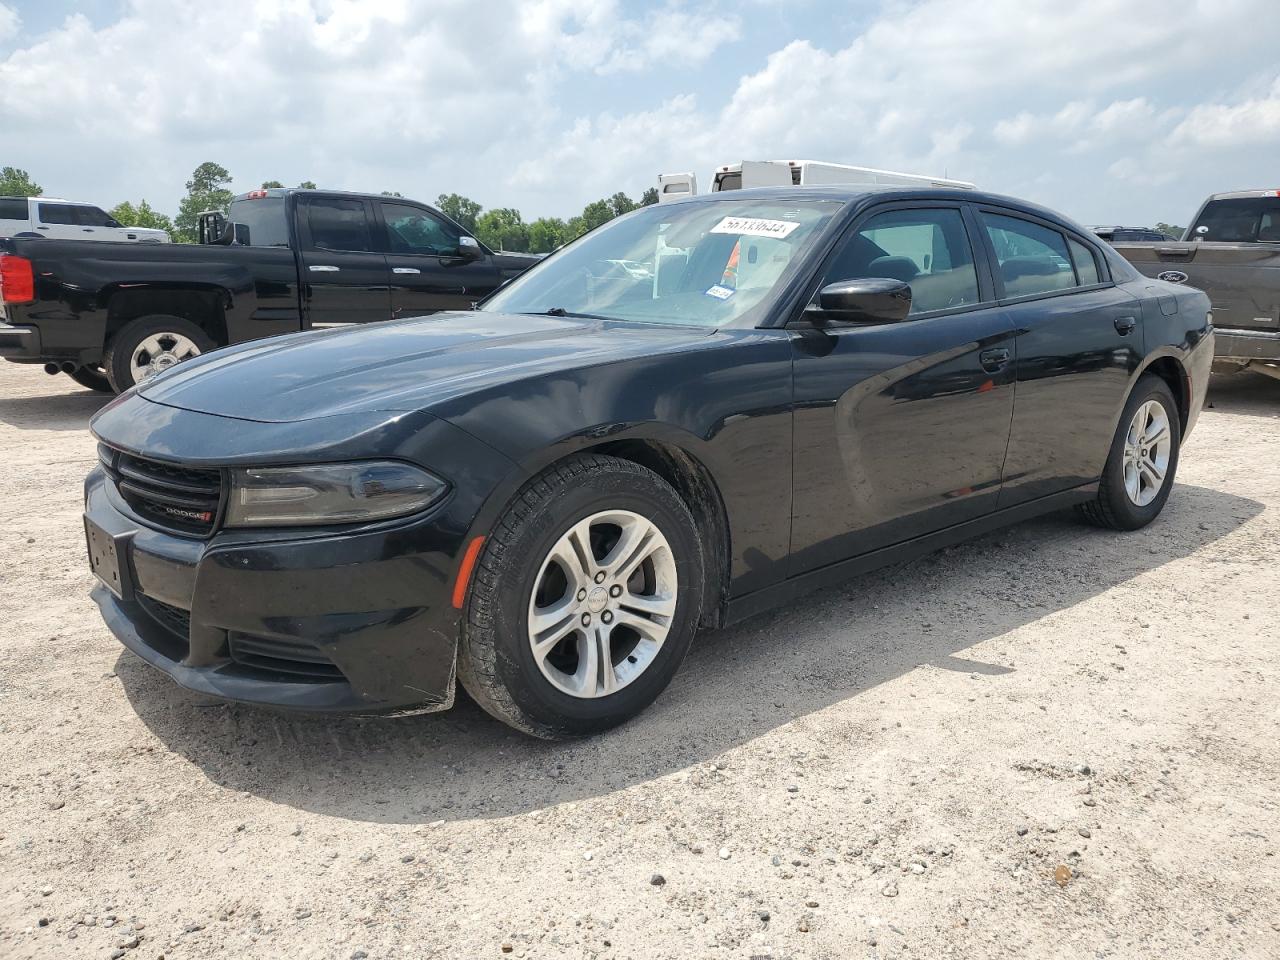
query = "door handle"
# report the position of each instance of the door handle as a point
(405, 270)
(322, 269)
(1125, 325)
(993, 360)
(88, 229)
(42, 228)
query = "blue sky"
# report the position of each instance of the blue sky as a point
(1113, 112)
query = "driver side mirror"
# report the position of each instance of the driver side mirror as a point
(866, 300)
(469, 248)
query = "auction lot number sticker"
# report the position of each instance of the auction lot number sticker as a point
(755, 227)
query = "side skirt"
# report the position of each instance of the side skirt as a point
(759, 601)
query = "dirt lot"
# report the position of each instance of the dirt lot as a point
(1052, 741)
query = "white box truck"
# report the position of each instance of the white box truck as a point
(778, 173)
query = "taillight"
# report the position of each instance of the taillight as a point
(17, 279)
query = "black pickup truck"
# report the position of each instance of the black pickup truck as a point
(281, 261)
(1231, 251)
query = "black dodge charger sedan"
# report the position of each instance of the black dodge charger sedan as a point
(696, 412)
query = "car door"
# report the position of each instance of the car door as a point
(1079, 338)
(96, 224)
(901, 428)
(344, 273)
(57, 221)
(427, 272)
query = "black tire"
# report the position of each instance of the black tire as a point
(92, 377)
(1113, 508)
(117, 360)
(496, 664)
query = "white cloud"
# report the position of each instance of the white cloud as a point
(546, 104)
(9, 22)
(1250, 122)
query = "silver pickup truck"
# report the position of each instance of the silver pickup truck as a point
(1231, 251)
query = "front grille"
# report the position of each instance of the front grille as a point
(295, 659)
(182, 499)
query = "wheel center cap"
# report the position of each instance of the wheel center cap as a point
(597, 599)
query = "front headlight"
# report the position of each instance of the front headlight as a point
(329, 493)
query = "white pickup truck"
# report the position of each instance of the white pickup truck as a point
(53, 219)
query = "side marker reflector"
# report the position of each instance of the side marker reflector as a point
(464, 572)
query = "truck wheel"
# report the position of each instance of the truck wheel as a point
(150, 345)
(584, 601)
(91, 377)
(1143, 460)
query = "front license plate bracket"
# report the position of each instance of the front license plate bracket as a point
(107, 559)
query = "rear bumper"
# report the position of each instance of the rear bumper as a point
(21, 344)
(1236, 344)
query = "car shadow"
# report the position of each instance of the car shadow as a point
(69, 408)
(737, 684)
(1251, 394)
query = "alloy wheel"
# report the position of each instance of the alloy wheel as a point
(1147, 447)
(602, 604)
(158, 353)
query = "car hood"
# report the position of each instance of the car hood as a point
(399, 365)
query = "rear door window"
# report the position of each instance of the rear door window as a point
(338, 223)
(1085, 262)
(1032, 259)
(13, 209)
(60, 213)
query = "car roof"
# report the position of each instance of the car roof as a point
(285, 191)
(863, 193)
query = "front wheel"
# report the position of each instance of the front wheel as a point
(584, 601)
(1142, 462)
(150, 345)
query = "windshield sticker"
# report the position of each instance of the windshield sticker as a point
(719, 292)
(755, 227)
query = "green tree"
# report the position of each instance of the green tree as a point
(502, 229)
(272, 185)
(620, 203)
(141, 216)
(649, 197)
(460, 209)
(18, 183)
(575, 228)
(1171, 230)
(597, 213)
(547, 233)
(308, 185)
(206, 190)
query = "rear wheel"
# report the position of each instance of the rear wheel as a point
(584, 601)
(1143, 460)
(92, 377)
(150, 345)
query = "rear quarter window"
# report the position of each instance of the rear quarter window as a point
(13, 209)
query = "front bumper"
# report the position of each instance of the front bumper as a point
(358, 622)
(19, 343)
(1236, 344)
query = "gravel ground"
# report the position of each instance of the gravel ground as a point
(1049, 742)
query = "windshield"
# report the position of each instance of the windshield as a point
(1240, 220)
(707, 264)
